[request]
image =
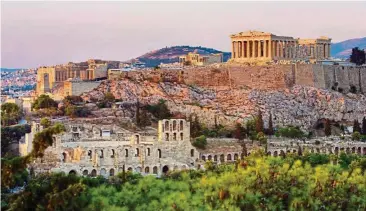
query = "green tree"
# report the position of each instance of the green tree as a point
(327, 128)
(357, 56)
(44, 101)
(364, 126)
(259, 122)
(261, 137)
(12, 134)
(270, 125)
(45, 122)
(10, 114)
(356, 126)
(356, 136)
(195, 126)
(159, 110)
(239, 132)
(290, 132)
(200, 142)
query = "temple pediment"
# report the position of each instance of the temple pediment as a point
(252, 33)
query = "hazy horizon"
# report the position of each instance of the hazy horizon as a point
(47, 33)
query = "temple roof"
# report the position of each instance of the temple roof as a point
(251, 33)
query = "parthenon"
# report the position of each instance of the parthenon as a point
(263, 46)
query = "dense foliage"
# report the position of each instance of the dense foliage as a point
(290, 132)
(12, 134)
(159, 110)
(44, 101)
(357, 56)
(10, 114)
(309, 182)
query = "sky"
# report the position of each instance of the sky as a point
(34, 34)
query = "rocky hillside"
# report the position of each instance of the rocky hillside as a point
(171, 54)
(344, 49)
(300, 105)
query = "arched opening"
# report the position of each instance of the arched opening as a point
(129, 169)
(112, 153)
(174, 125)
(192, 152)
(174, 136)
(269, 153)
(137, 139)
(317, 150)
(147, 170)
(159, 153)
(353, 150)
(222, 158)
(137, 152)
(111, 172)
(93, 173)
(348, 150)
(181, 125)
(215, 158)
(336, 151)
(359, 150)
(228, 157)
(103, 172)
(165, 169)
(85, 173)
(126, 153)
(90, 154)
(236, 156)
(181, 136)
(64, 157)
(364, 151)
(101, 154)
(282, 153)
(148, 151)
(155, 170)
(166, 126)
(209, 157)
(72, 172)
(166, 136)
(275, 153)
(294, 151)
(203, 158)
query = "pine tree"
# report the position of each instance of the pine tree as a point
(137, 115)
(327, 128)
(259, 122)
(364, 126)
(270, 125)
(356, 126)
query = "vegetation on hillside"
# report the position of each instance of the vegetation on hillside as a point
(10, 114)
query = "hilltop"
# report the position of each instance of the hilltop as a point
(344, 49)
(171, 54)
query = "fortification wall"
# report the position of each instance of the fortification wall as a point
(79, 87)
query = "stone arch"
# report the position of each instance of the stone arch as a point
(85, 172)
(165, 169)
(209, 157)
(203, 158)
(137, 139)
(317, 150)
(101, 154)
(294, 151)
(103, 172)
(126, 153)
(174, 136)
(155, 170)
(112, 153)
(364, 151)
(111, 172)
(129, 169)
(236, 156)
(269, 153)
(93, 173)
(282, 153)
(228, 157)
(181, 125)
(215, 158)
(336, 150)
(72, 172)
(159, 153)
(137, 152)
(181, 136)
(64, 157)
(192, 152)
(166, 136)
(166, 126)
(353, 149)
(359, 150)
(147, 170)
(348, 150)
(275, 153)
(148, 151)
(90, 154)
(174, 125)
(222, 158)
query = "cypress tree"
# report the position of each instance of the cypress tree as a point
(270, 125)
(327, 128)
(138, 120)
(259, 122)
(364, 126)
(356, 126)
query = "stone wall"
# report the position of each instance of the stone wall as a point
(79, 87)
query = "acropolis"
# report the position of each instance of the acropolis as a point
(253, 46)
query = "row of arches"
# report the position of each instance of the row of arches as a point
(172, 125)
(143, 170)
(174, 137)
(336, 150)
(222, 157)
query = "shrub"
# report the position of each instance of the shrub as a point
(159, 110)
(44, 101)
(200, 142)
(356, 136)
(290, 132)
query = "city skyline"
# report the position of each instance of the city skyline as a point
(46, 33)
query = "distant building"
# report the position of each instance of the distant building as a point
(263, 46)
(196, 59)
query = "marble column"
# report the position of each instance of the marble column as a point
(232, 49)
(290, 50)
(329, 50)
(253, 49)
(259, 48)
(265, 54)
(242, 49)
(277, 48)
(270, 50)
(248, 49)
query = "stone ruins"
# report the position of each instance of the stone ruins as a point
(263, 46)
(93, 149)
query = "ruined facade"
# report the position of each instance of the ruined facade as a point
(196, 59)
(254, 46)
(49, 78)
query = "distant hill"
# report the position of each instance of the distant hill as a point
(344, 49)
(171, 54)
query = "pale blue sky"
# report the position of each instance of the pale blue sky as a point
(45, 33)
